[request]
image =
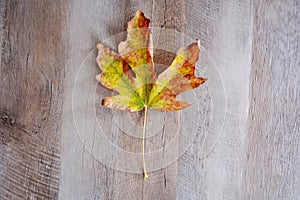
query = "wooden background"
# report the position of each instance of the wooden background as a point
(255, 45)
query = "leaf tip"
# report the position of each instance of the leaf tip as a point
(139, 21)
(103, 102)
(185, 105)
(138, 13)
(99, 46)
(98, 77)
(198, 41)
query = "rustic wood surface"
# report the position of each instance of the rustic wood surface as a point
(31, 97)
(255, 46)
(273, 151)
(226, 32)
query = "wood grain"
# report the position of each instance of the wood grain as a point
(32, 70)
(273, 152)
(83, 177)
(225, 30)
(46, 153)
(109, 183)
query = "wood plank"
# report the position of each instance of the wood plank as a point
(164, 15)
(89, 178)
(31, 79)
(273, 153)
(47, 56)
(225, 30)
(83, 177)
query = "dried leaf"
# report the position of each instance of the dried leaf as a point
(145, 90)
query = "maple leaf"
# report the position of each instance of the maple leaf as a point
(131, 73)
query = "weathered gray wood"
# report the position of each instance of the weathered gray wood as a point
(93, 24)
(224, 28)
(255, 46)
(31, 95)
(82, 177)
(273, 152)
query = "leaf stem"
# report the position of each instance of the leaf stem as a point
(143, 142)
